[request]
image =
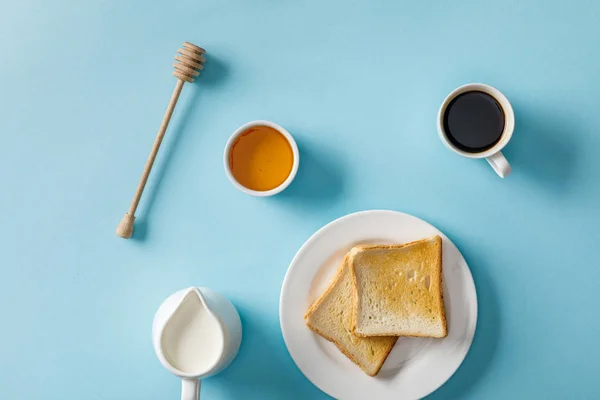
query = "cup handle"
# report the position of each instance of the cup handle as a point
(499, 163)
(190, 389)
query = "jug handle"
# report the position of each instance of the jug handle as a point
(190, 389)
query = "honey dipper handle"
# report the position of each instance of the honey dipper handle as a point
(155, 147)
(125, 228)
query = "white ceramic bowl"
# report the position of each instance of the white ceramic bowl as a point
(290, 140)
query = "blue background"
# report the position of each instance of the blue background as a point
(83, 88)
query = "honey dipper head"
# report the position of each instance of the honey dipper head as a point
(189, 62)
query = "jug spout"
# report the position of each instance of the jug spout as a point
(190, 294)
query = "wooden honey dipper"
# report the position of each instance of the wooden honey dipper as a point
(187, 66)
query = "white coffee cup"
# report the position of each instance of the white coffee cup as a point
(493, 155)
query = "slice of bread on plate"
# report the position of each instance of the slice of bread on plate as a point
(398, 289)
(331, 317)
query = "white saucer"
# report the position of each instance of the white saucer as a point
(416, 366)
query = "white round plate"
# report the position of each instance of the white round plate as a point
(416, 366)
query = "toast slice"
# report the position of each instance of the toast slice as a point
(331, 317)
(398, 289)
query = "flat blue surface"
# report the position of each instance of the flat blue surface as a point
(83, 88)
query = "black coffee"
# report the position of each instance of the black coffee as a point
(474, 121)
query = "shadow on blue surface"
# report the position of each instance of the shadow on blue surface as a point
(487, 333)
(259, 369)
(214, 73)
(319, 182)
(544, 147)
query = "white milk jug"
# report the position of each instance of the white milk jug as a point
(196, 333)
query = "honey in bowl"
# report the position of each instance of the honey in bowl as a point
(261, 158)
